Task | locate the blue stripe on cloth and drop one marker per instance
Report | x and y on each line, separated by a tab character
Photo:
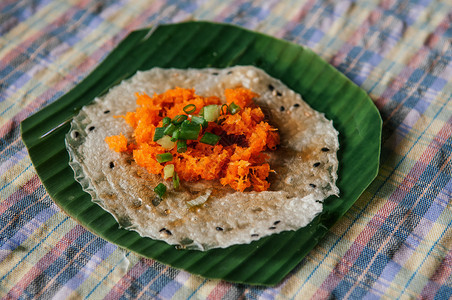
106	276
34	248
428	221
433	82
9	145
170	289
24	63
28	229
254	293
389	273
38	284
256	14
153	271
197	289
132	291
10	73
187	6
449	291
59	34
9	107
17	12
67	265
389	29
103	252
434	212
9	164
405	218
444	292
21	212
167	276
11	182
314	35
373	30
295	32
342	288
361	212
9	7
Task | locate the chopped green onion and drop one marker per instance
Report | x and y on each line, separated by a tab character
199	120
181	146
211	112
179	119
224	109
170	129
166	142
234	108
175	135
159	133
190	131
168	171
166	121
164	157
160	189
210	138
190	108
185	123
201	112
176	181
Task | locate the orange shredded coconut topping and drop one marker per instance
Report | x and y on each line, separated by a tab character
117	142
238	160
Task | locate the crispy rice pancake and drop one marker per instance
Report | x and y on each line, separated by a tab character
305	165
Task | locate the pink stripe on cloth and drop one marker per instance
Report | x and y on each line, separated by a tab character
219	291
14	53
341	269
297	19
398	195
5	3
14	158
46	261
126	281
349	258
400	82
63	84
221	16
82	68
30	186
10	248
355	38
414	62
86	271
367	233
439	278
138	21
81	4
402	256
437	142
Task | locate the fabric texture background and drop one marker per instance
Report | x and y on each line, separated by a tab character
395	242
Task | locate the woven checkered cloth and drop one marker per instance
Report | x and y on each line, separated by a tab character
396	240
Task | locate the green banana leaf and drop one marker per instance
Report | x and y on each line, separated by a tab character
199	45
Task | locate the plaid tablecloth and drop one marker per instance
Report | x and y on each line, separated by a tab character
395	242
